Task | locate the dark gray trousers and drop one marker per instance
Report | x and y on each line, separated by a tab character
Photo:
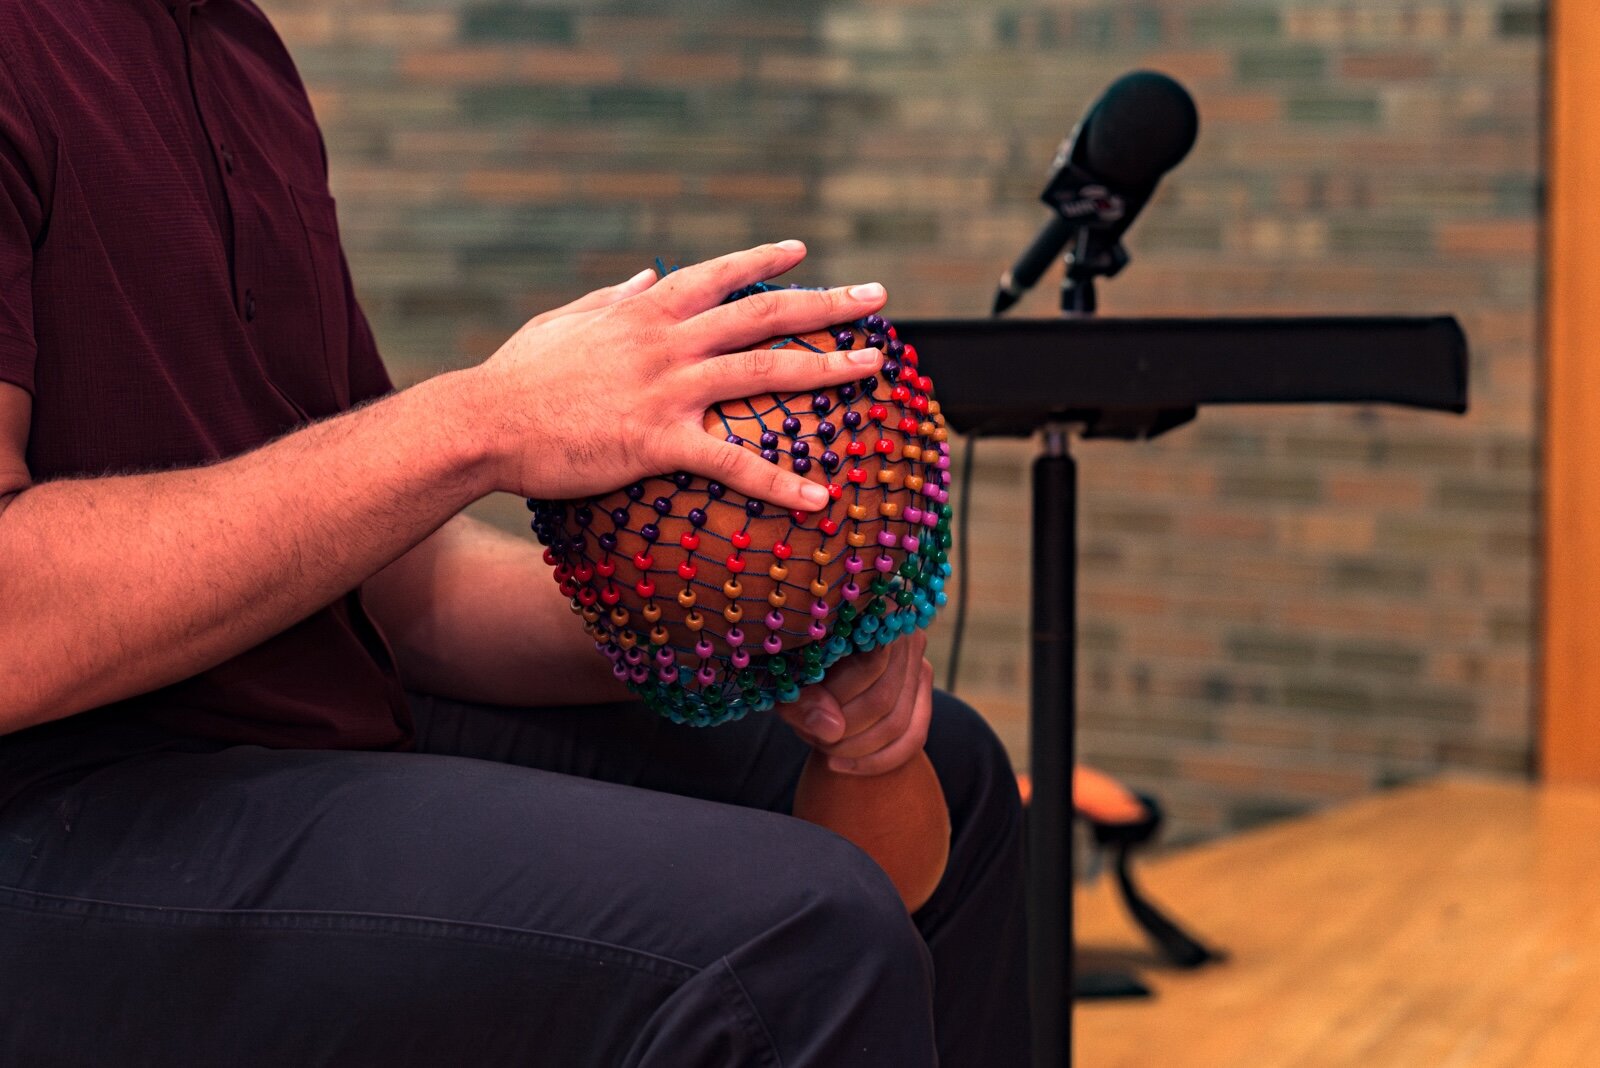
564	887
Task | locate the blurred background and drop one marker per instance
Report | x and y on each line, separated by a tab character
1280	608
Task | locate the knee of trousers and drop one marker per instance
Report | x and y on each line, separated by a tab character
979	782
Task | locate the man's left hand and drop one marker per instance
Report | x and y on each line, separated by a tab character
870	715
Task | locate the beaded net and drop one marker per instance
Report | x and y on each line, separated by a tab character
710	604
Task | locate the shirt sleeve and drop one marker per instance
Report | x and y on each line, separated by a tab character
21	225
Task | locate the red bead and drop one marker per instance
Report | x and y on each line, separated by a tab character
583	572
736	563
835	491
563	572
550	557
642	561
645	588
605	568
877	413
925	383
908	425
894	335
856	474
798	517
885	446
740	539
829	526
909	356
856	448
569	588
782	550
686	571
586	596
900	393
690	541
920	404
610	595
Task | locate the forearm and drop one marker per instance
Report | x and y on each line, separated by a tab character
473	614
115	586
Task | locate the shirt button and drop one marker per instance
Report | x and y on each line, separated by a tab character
249	306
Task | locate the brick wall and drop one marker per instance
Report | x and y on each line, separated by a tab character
1281	608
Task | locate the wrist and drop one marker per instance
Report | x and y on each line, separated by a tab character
468	443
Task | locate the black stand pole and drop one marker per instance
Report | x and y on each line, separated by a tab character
1051	756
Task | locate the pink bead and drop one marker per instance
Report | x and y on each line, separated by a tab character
913	515
638	673
817	631
772	644
774	620
909	543
930	519
854	565
667	674
884	563
735	637
740	659
664	656
620	670
886	538
850	590
707	675
702	648
819	608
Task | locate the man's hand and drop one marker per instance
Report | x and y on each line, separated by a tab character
870	715
615	386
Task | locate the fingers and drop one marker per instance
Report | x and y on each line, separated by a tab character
690	291
855	674
892	699
815	717
744	374
740	469
783	312
600	298
904	747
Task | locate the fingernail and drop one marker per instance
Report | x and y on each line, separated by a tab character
818	722
814	495
841	764
864	356
792	245
648	272
869	291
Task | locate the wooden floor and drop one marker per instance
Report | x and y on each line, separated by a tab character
1451	924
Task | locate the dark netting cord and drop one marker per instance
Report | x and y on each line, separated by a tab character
702	651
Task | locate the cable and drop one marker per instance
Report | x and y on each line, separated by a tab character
952	668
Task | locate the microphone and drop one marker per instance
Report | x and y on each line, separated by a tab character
1104	173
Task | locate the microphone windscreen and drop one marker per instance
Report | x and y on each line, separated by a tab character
1144	124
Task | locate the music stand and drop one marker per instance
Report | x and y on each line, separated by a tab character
1135	378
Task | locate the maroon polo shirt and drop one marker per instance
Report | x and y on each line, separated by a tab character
173	292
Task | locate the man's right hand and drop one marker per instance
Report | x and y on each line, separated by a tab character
614	387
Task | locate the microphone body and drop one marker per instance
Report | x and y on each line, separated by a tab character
1103	174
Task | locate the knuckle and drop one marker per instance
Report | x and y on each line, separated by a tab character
761	363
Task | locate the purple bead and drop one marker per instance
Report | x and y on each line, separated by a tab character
619	517
877	323
697	517
752	508
830	461
608	541
852	420
772	644
662	505
612	650
896	349
876	340
583	517
715	490
869	385
769	440
681	479
845	339
800	448
770	455
734	439
635	491
620	670
821	404
891	370
649	532
802	465
791	426
826	431
847	393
